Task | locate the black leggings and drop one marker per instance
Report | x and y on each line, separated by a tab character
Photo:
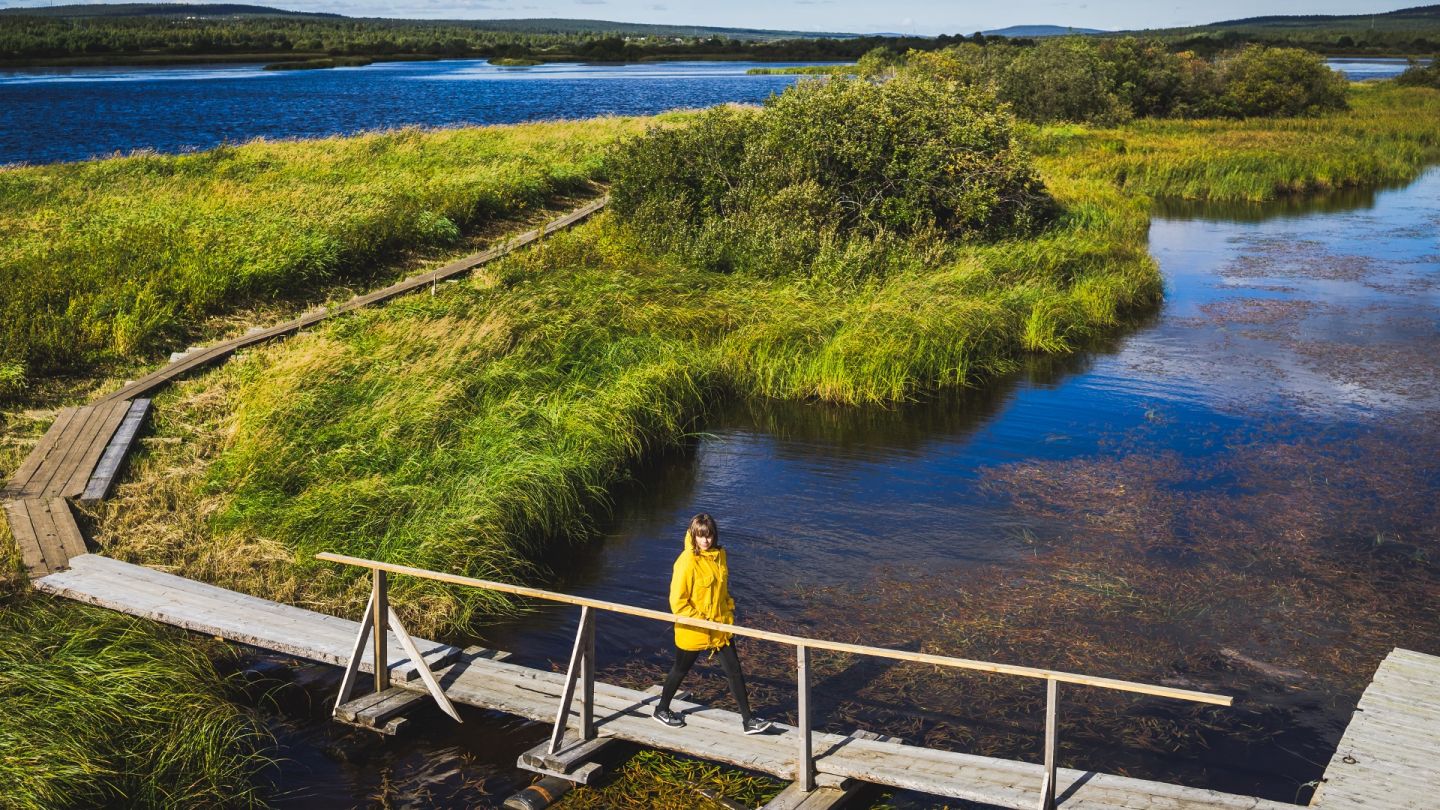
685	659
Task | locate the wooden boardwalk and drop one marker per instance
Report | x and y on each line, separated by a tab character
713	734
81	454
1389	756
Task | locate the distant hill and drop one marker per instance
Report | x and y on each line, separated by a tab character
518	26
160	10
1040	31
1417	20
1429	14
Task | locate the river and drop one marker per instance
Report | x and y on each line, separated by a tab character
65	114
1236	494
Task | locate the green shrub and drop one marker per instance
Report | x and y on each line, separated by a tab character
1418	75
827	164
1061	80
1278	81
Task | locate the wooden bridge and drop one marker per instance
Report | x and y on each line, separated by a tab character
1389	758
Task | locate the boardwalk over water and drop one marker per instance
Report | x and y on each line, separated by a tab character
713	734
1387	758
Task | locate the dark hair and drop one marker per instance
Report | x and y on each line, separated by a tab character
703	524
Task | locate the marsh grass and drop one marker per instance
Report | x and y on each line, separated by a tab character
1384	138
107	710
653	780
110	259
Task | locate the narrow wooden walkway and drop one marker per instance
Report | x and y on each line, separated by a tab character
81	454
710	733
1389	756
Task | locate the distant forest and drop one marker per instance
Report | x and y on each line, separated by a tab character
139	33
169	36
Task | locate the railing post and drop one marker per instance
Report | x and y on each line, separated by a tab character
587	678
1047	790
578	657
381	627
805	763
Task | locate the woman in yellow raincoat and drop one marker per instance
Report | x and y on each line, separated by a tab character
700	588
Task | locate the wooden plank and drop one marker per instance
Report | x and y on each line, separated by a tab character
568	759
793	797
102	480
111	416
70	448
72	542
43	523
43	449
220	351
213	611
18	514
64	443
1389	755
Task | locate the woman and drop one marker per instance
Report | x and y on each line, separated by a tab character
700	588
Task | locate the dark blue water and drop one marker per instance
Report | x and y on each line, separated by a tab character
62	114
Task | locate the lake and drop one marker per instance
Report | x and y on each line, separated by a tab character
63	114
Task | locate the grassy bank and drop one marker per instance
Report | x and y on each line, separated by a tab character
117	259
1386	135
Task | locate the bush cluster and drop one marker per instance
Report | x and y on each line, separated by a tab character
1111	80
1418	75
829	174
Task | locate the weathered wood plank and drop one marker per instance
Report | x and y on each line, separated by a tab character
110	416
69	450
1389	755
102	480
72	542
43	523
21	478
18	514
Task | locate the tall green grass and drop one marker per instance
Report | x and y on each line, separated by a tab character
105	710
115	258
1388	133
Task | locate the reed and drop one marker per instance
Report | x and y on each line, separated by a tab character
106	710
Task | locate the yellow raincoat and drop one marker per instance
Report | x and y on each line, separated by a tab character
700	587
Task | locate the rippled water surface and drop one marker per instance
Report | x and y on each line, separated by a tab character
53	114
1236	494
59	114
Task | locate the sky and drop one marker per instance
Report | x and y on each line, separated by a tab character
926	17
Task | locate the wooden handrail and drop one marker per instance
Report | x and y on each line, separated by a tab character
785	638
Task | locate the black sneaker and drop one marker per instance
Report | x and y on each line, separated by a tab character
669	718
757	726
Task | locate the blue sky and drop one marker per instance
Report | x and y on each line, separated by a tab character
861	16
